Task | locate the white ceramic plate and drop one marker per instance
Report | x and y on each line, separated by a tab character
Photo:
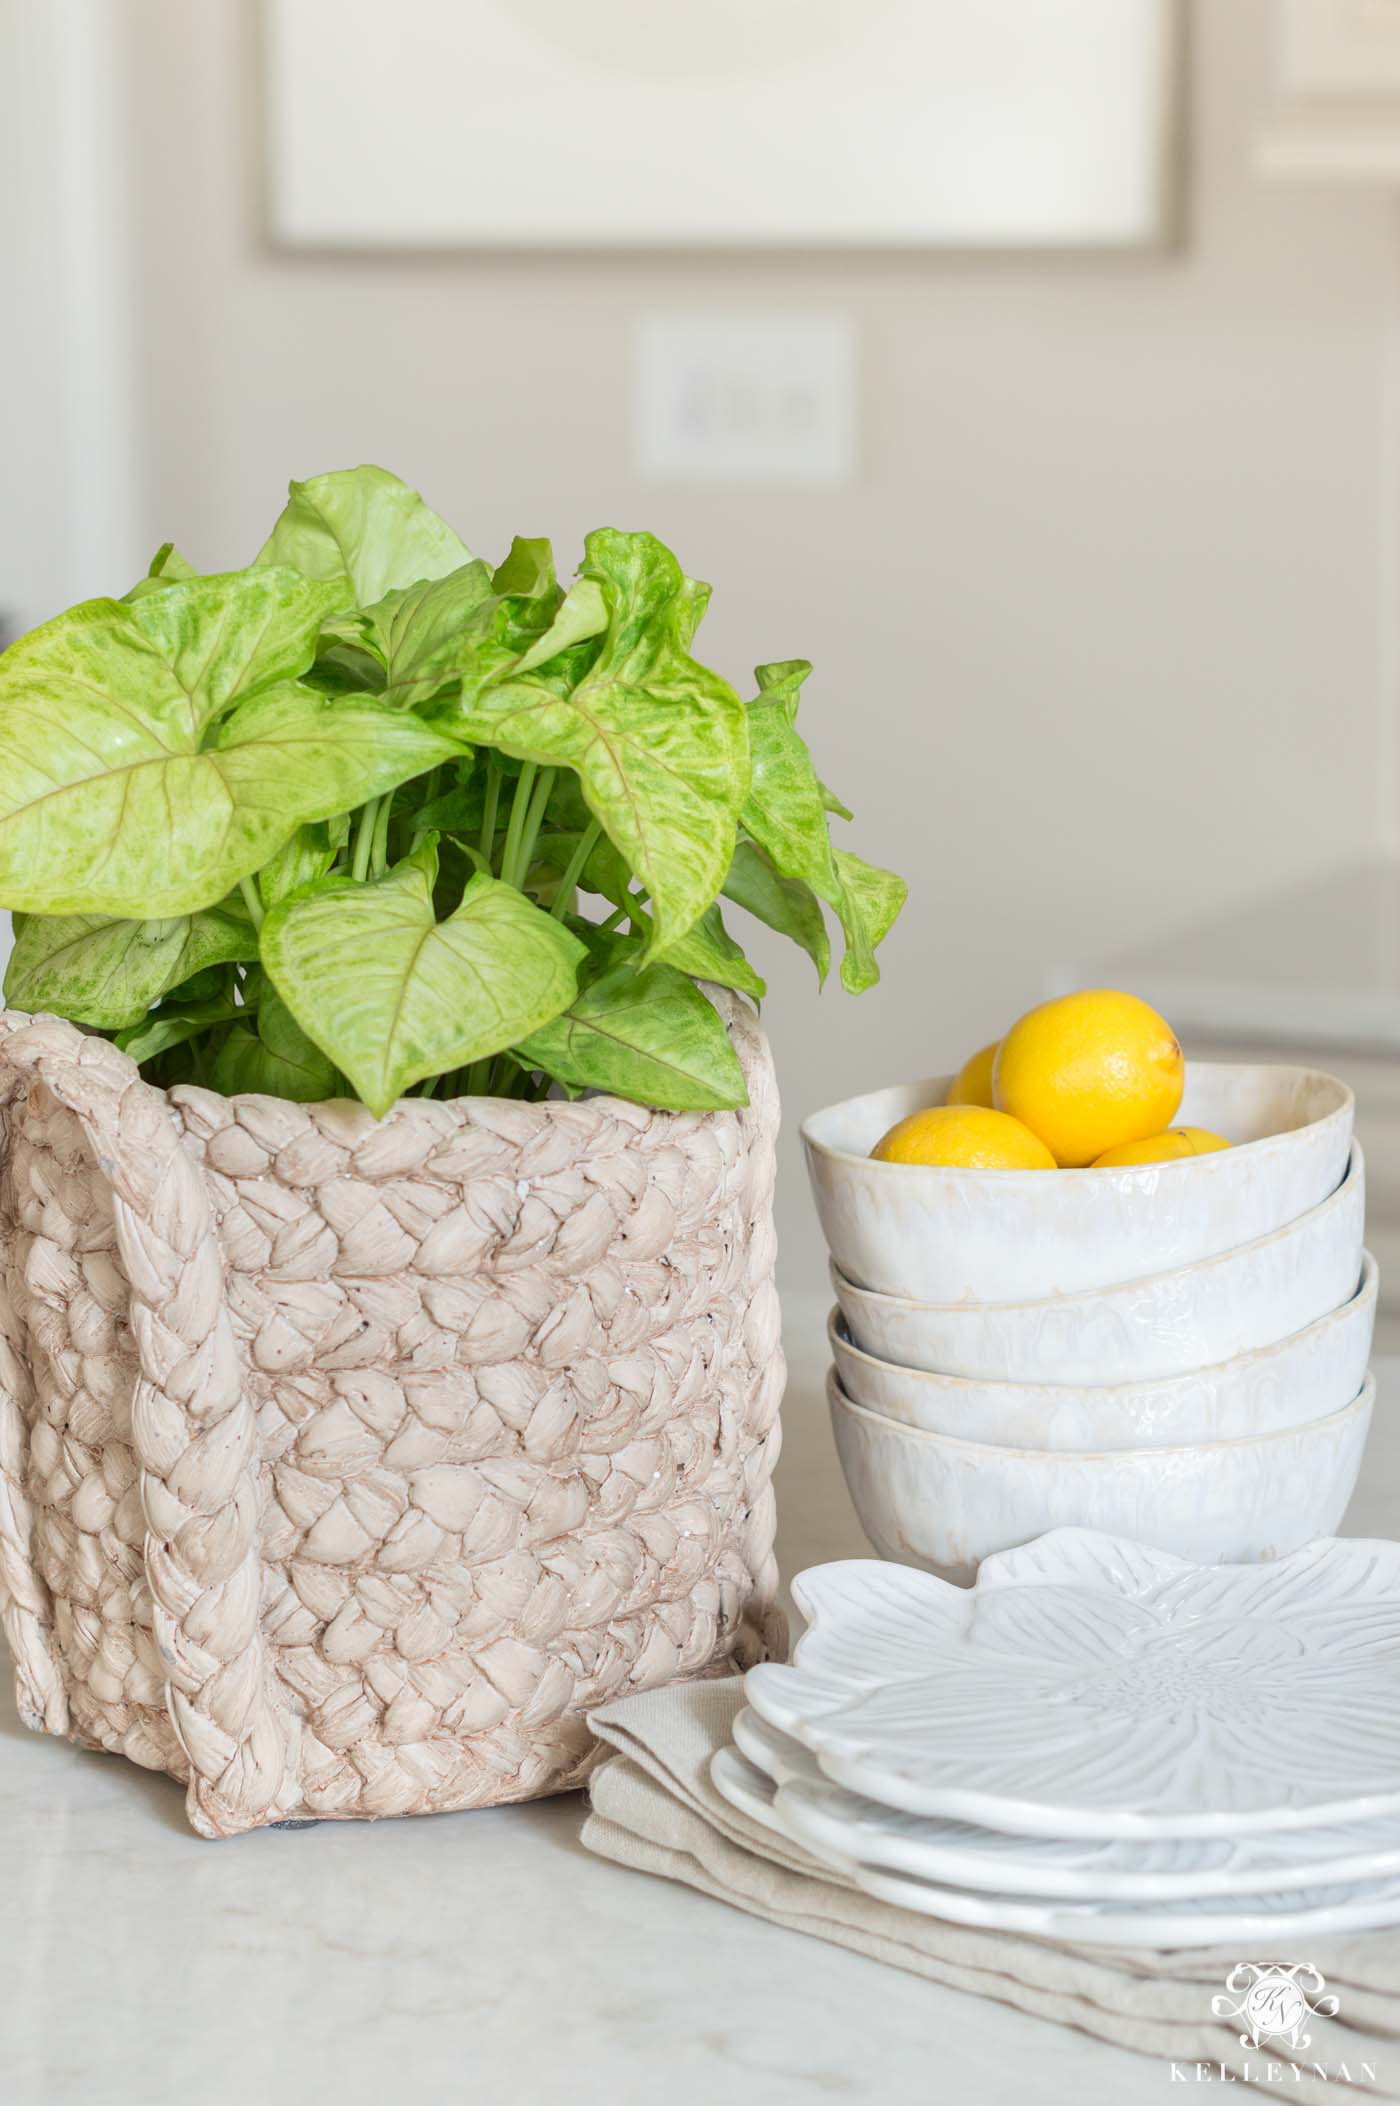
751	1790
1314	1910
1021	1235
1308	1376
1090	1686
1140	1330
1259	1919
829	1820
926	1499
777	1754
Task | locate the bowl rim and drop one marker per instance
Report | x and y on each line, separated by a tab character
1134	1172
837	1397
1353	1174
1367	1290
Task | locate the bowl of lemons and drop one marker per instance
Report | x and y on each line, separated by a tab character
1103	1156
1083	1277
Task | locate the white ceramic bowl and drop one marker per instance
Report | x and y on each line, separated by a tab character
945	1505
1022	1235
1305	1377
1140	1330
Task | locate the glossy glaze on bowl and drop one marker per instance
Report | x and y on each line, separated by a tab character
1305	1377
1140	1330
1023	1235
945	1504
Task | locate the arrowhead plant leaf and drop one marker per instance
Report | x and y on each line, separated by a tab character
708	952
118	793
788	905
167	567
309	854
582	615
223	639
785	811
870	900
363	531
639	1031
372	814
109	973
392	995
786	815
658	742
416	632
274	1057
174	1024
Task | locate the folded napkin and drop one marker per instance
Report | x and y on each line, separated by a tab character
655	1809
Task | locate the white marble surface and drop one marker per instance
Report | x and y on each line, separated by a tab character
479	1956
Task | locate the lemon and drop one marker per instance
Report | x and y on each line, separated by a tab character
1173	1147
1089	1072
964	1137
973	1082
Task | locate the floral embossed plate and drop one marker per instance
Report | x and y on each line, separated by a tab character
796	1800
1311	1912
1087	1686
1243	1918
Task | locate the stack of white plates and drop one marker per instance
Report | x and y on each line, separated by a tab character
1172	1351
1098	1741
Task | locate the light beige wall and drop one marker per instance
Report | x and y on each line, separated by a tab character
1101	631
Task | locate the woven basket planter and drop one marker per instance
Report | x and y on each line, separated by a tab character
346	1464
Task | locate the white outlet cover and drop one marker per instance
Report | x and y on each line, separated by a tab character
746	398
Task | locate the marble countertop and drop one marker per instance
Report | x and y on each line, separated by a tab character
480	1956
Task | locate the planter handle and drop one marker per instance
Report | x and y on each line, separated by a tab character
194	1432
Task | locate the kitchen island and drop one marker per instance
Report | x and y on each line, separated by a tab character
482	1956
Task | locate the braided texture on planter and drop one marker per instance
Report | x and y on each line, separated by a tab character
345	1464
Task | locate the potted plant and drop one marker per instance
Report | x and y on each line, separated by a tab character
389	1356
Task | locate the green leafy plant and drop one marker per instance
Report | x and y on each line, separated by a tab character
371	816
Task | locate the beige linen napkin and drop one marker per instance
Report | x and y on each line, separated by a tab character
654	1808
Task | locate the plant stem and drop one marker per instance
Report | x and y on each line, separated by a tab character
573	870
614	920
487	843
520	805
249	888
503	1073
534	820
379	851
476	1078
364	841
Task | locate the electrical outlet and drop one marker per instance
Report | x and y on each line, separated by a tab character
745	398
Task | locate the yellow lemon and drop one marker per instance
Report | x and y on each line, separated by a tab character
1172	1147
973	1082
1089	1072
964	1137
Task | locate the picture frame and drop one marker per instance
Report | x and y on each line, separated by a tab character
797	124
1334	115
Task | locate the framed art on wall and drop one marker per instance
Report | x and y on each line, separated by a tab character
534	124
1335	112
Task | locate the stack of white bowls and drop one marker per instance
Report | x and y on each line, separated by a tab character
1174	1352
